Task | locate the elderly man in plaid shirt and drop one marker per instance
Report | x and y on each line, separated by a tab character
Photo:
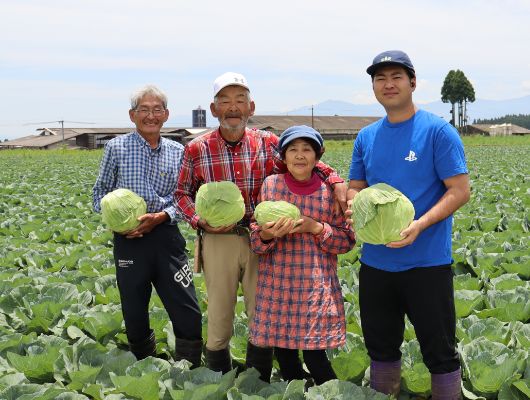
154	253
246	157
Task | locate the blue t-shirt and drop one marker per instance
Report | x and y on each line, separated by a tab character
414	156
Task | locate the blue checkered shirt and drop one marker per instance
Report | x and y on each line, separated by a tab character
130	163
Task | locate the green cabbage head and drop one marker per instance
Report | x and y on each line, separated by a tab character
120	210
380	212
269	211
220	203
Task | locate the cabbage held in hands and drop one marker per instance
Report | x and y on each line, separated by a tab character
272	211
380	212
120	210
220	203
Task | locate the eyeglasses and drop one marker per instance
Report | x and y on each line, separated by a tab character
157	112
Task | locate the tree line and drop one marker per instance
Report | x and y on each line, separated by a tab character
516	119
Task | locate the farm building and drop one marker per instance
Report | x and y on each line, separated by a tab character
334	127
331	127
86	138
497	130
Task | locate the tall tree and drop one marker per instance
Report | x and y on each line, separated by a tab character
449	93
458	90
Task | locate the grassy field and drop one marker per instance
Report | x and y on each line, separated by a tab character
60	316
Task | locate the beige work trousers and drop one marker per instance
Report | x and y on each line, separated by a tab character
227	261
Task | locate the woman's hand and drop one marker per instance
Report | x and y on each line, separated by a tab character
278	229
309	225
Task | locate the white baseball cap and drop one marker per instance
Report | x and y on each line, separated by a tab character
228	79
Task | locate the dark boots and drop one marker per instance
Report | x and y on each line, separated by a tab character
144	348
446	386
190	350
319	366
219	360
261	359
290	364
385	376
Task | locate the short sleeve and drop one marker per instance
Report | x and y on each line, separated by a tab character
357	168
449	156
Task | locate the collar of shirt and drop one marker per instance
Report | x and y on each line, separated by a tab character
145	144
217	134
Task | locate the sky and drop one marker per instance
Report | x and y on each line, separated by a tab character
79	61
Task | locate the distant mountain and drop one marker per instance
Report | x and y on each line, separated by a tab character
479	109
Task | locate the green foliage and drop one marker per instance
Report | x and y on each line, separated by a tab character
337	390
351	363
516	119
60	316
488	365
473	327
467	301
415	376
457	90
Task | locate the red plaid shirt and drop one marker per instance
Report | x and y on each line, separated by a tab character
209	158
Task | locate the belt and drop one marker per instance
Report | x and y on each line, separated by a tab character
236	230
239	230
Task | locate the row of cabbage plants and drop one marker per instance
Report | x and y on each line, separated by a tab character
60	318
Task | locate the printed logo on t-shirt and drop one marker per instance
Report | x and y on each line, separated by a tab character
411	156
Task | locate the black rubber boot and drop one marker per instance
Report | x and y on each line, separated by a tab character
290	365
261	359
190	350
320	368
144	348
219	360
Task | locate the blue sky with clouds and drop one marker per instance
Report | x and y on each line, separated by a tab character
80	60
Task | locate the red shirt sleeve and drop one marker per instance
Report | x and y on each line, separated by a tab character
187	186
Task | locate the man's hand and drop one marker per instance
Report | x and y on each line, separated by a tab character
408	234
354	187
309	225
147	224
278	229
210	229
339	193
456	196
348	213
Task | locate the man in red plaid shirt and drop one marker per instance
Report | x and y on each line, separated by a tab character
246	157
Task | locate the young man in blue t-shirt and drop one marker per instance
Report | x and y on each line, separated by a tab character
422	156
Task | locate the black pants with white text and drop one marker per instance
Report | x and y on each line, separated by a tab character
158	259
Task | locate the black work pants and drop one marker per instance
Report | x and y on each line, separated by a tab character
426	296
159	259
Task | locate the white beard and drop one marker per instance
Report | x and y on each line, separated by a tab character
234	129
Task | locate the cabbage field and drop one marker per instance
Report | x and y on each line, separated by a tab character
61	330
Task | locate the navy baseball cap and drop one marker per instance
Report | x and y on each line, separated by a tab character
391	57
300	131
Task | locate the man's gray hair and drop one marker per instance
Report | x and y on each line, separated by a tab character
147	90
